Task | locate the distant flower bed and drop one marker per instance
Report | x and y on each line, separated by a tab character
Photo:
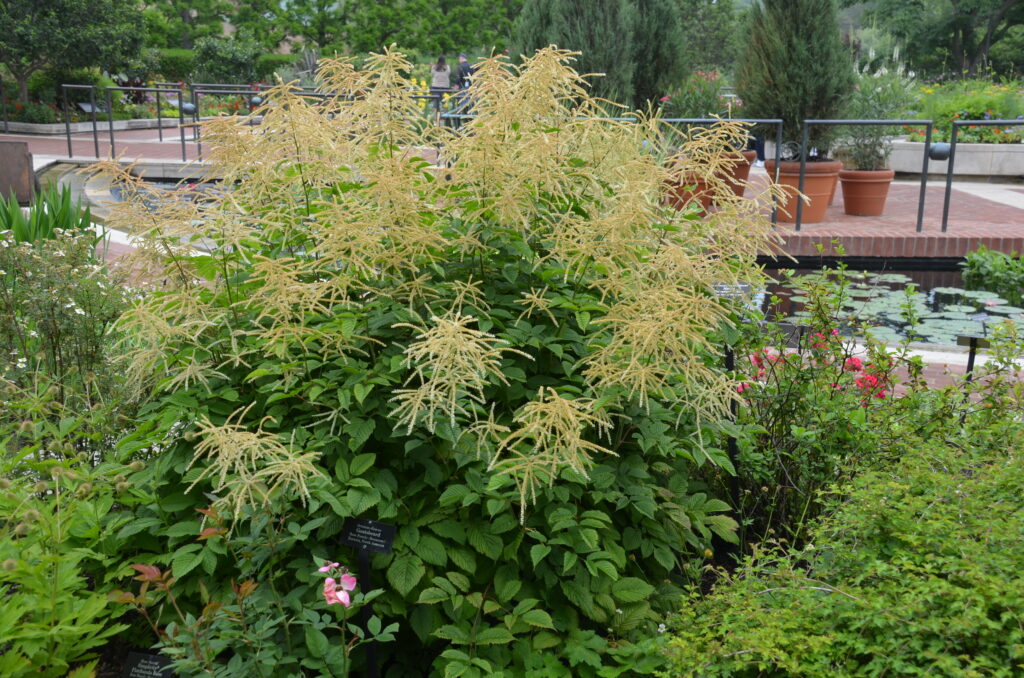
970	100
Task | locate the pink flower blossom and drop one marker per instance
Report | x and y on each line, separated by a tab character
328	567
742	387
853	365
332	594
991	302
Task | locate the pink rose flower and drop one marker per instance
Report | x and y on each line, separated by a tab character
333	595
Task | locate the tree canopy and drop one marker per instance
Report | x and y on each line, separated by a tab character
40	34
940	36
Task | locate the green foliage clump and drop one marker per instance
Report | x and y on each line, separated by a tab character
794	66
231	60
50	214
508	354
176	64
998	272
268	64
700	96
916	572
972	100
33	112
879	94
62	498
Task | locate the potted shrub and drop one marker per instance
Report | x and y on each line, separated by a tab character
794	66
878	94
700	96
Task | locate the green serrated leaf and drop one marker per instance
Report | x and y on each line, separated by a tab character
405	572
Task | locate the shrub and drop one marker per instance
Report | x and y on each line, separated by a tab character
915	571
698	97
269	64
45	86
998	272
62	497
229	60
509	358
879	94
32	112
794	66
177	64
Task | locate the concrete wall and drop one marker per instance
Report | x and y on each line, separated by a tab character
981	160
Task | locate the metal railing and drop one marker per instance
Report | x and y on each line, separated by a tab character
805	141
957	124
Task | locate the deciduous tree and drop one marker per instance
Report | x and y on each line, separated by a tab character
38	34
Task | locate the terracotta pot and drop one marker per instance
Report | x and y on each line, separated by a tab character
819	182
864	191
739	170
690	187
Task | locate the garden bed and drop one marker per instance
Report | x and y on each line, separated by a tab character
972	160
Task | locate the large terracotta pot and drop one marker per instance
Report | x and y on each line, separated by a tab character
739	170
819	181
864	191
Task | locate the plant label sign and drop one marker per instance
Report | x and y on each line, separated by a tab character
368	535
138	665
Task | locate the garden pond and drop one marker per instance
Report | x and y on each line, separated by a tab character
897	305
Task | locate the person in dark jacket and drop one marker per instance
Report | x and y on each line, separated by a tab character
465	72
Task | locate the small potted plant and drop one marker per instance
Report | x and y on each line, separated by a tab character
795	66
865	149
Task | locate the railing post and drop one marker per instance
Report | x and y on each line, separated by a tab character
805	140
67	120
95	129
775	179
949	175
110	123
924	177
181	125
3	102
159	117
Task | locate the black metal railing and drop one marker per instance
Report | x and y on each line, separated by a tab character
805	141
3	103
957	124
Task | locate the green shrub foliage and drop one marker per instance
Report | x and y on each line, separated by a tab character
986	269
507	354
177	64
62	500
915	571
794	66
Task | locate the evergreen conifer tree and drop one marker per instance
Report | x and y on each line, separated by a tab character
795	66
635	44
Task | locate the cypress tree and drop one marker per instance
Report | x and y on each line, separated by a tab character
636	44
795	66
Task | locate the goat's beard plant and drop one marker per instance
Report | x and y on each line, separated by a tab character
509	354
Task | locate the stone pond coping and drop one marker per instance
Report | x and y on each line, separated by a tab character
102	126
980	160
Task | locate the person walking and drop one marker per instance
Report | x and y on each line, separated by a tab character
441	81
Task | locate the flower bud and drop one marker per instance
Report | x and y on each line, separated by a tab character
9	564
84	489
31	515
122	486
136	466
21	529
40	487
26	426
4	483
